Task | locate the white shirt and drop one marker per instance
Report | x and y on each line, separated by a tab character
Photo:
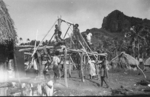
89	36
92	67
56	60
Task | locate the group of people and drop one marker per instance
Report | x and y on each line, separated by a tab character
102	70
76	36
57	66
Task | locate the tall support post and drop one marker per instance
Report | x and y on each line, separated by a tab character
81	69
65	67
59	23
15	64
97	68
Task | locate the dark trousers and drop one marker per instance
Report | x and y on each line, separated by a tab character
103	80
56	72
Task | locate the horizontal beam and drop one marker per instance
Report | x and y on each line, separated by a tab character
90	53
27	53
24	46
60	50
40	48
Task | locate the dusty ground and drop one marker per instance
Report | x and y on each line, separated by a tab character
117	78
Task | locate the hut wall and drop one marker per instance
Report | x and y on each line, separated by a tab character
19	62
3	53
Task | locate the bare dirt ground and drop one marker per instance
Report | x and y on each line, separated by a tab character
118	80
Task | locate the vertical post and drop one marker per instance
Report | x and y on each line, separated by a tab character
97	67
16	71
65	67
59	23
82	74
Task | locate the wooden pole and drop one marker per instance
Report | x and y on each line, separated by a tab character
97	68
65	67
73	62
15	64
66	32
59	23
82	74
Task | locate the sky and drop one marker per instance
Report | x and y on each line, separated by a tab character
38	16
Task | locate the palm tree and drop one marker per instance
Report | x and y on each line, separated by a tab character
20	41
137	39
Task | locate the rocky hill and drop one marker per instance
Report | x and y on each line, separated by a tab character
117	21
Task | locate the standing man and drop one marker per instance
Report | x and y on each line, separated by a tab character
56	61
76	35
104	73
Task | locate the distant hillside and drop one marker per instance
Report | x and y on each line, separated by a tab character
116	21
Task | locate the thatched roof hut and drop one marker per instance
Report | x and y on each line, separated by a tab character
7	33
147	62
7	40
131	60
125	60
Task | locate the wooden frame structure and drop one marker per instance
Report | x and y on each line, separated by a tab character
65	51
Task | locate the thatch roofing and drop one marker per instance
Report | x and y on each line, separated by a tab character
131	60
125	59
7	30
147	62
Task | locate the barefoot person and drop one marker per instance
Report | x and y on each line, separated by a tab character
103	72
